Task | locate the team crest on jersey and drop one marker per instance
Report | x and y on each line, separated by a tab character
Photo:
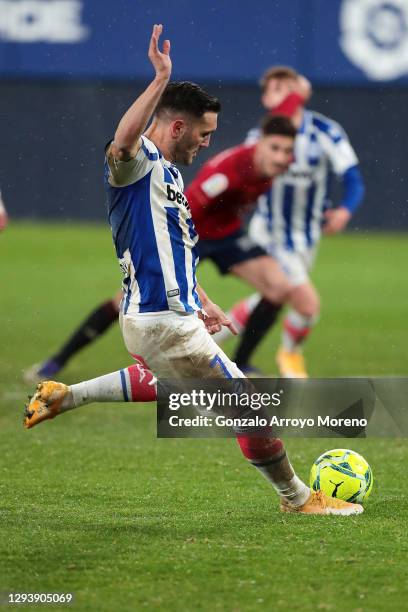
374	36
216	184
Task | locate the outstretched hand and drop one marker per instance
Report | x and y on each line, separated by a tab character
214	318
160	59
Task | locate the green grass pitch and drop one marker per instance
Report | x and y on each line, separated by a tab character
92	503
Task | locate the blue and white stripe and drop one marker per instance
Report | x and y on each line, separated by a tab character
290	215
153	233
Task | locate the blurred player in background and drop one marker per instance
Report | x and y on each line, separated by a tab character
225	189
3	214
166	318
288	219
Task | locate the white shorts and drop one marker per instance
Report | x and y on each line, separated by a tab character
295	264
174	345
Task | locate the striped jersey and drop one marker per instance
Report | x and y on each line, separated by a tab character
153	233
292	210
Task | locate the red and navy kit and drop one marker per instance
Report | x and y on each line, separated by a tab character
225	189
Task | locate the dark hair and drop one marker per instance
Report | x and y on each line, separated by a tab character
278	124
277	72
186	97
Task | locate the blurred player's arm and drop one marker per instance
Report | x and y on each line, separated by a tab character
3	214
336	219
345	164
127	139
214	318
303	88
287	95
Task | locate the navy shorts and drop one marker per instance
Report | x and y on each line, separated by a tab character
229	251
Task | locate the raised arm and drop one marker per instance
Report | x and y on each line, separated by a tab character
127	139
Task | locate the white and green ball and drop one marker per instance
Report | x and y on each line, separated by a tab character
343	474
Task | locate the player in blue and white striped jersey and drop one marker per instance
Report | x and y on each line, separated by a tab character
155	241
289	219
165	316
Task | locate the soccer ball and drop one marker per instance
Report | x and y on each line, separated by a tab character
343	474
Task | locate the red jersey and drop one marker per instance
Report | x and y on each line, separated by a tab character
226	187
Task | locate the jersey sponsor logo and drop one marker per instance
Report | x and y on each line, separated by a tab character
374	36
173	292
216	184
293	172
177	196
32	21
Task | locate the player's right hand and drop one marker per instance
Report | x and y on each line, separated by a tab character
214	318
335	220
303	87
160	59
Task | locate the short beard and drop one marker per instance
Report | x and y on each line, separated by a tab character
180	155
182	158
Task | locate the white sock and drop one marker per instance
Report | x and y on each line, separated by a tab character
107	388
132	384
294	490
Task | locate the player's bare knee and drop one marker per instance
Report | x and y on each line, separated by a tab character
277	293
306	301
309	309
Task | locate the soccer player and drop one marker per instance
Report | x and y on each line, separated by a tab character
289	218
225	189
3	214
165	316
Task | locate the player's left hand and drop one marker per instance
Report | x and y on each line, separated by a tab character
336	220
214	318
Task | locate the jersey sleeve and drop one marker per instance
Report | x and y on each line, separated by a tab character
337	146
123	173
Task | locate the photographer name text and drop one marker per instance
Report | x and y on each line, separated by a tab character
256	421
